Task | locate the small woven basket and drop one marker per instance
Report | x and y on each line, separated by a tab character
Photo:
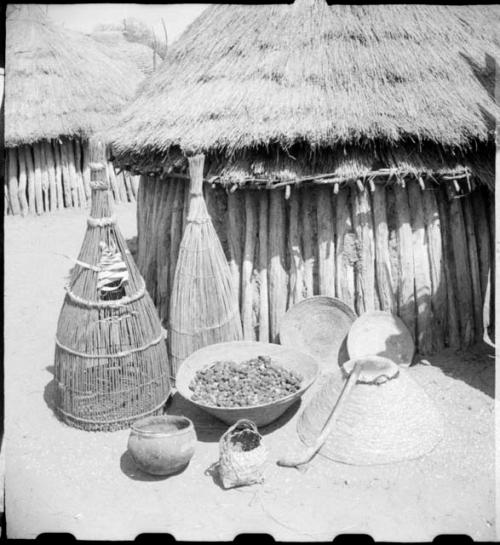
243	456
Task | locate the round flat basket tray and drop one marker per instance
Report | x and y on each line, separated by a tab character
239	351
318	326
380	333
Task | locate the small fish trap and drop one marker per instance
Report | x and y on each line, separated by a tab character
111	364
203	305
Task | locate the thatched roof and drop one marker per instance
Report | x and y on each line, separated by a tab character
252	77
59	82
118	46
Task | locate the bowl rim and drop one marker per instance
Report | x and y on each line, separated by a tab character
163	417
274	403
288	322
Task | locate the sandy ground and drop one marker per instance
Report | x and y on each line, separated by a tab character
59	479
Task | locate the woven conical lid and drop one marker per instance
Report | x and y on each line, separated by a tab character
379	424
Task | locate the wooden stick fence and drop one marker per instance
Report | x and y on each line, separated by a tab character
420	252
48	176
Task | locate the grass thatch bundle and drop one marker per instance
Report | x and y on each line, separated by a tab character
144	57
111	362
59	82
244	76
203	305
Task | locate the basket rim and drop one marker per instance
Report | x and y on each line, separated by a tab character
372	317
292	317
277	402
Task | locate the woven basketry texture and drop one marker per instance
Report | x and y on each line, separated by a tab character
380	423
318	326
380	333
203	306
243	455
111	364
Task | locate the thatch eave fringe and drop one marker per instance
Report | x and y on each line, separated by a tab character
272	168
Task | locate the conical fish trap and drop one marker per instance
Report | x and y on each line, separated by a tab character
380	423
111	364
203	305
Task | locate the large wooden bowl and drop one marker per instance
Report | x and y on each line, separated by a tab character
239	351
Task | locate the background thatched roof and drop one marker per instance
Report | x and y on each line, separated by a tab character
252	76
59	82
118	46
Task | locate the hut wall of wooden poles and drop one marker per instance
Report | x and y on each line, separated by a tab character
414	250
50	175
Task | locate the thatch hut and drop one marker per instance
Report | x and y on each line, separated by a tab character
60	88
349	152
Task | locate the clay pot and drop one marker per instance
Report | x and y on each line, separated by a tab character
162	445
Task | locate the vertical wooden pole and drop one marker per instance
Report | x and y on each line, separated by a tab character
51	174
326	241
421	269
57	174
263	250
63	157
296	292
492	207
163	250
45	178
438	278
453	336
176	225
85	157
474	266
406	291
235	239
30	172
73	182
80	183
308	244
462	267
112	180
7	211
277	263
135	184
151	265
141	223
345	248
37	155
365	266
128	186
23	201
382	257
247	267
13	182
118	182
483	240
